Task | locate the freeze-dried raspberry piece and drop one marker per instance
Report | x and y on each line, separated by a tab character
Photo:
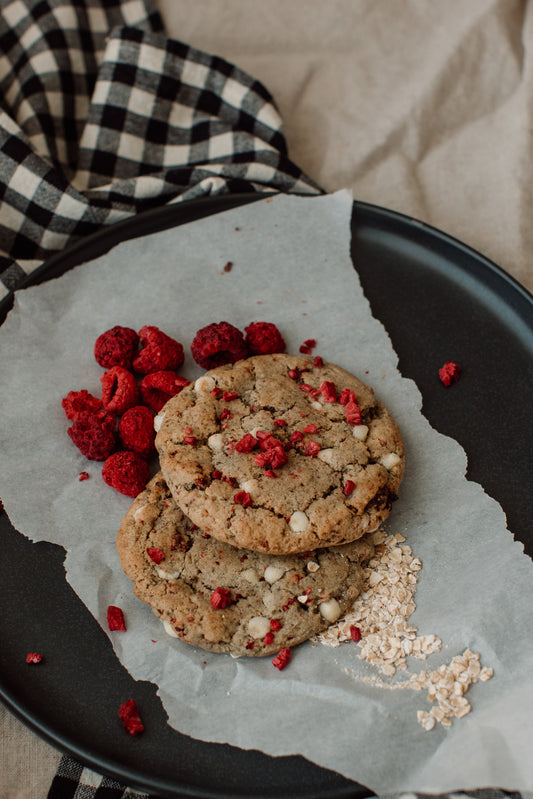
77	402
129	715
34	657
126	472
282	658
94	434
220	598
116	347
119	390
115	619
217	344
450	373
263	338
155	554
136	430
159	352
158	387
355	633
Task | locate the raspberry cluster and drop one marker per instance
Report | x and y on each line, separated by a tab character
118	427
141	376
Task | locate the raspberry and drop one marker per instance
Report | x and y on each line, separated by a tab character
129	715
220	598
217	344
116	347
282	658
115	619
155	554
77	402
119	390
263	338
355	633
158	387
136	430
126	472
450	373
159	353
34	657
94	434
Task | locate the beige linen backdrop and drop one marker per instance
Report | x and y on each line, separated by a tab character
422	106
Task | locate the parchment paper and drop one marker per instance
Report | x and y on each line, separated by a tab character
292	266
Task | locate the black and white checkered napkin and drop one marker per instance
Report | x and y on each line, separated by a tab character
102	116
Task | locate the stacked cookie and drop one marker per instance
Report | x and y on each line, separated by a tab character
252	536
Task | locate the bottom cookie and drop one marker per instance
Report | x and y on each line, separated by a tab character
230	600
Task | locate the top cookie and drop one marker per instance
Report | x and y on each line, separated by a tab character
280	454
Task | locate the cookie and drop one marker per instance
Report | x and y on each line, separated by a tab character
280	454
223	599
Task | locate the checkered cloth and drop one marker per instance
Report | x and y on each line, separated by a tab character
102	116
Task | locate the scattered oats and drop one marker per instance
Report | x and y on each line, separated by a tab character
381	612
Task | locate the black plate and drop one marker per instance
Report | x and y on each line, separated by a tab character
439	300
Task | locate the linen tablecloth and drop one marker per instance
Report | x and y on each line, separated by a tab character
414	105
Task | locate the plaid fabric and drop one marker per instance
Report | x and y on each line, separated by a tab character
102	116
73	781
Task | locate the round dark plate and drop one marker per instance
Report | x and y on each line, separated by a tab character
439	300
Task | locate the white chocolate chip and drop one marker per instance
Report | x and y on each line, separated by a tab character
390	460
215	442
273	573
250	575
303	599
258	627
138	513
249	486
313	566
316	405
298	521
167	575
158	421
360	431
326	455
169	629
330	610
205	383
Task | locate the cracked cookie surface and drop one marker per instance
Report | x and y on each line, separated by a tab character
224	599
281	454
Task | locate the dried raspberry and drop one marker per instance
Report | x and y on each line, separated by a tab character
269	637
115	619
349	486
158	387
307	346
116	347
136	431
220	598
353	413
246	444
318	362
94	434
126	472
263	338
160	353
355	633
83	476
228	396
450	373
275	625
34	657
129	715
217	344
310	428
347	395
312	449
155	554
329	392
282	658
77	402
119	390
296	436
243	498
